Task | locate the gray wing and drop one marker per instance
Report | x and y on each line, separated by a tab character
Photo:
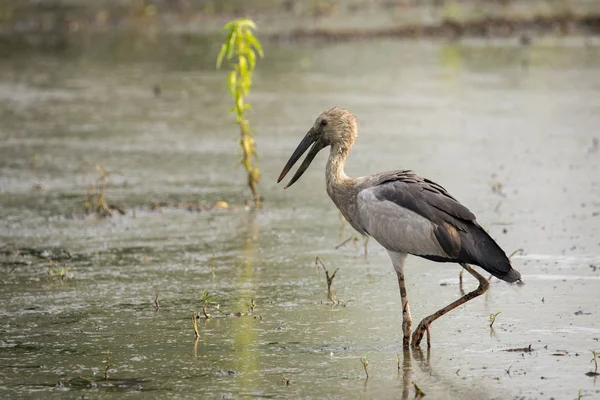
403	212
424	197
406	213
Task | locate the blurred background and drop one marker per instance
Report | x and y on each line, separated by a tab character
125	210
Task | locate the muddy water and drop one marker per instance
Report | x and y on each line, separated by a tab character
474	116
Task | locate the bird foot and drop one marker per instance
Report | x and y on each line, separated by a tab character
422	328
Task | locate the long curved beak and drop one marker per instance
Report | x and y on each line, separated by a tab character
308	140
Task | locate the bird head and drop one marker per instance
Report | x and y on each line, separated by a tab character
335	127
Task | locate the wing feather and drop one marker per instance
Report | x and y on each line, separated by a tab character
407	213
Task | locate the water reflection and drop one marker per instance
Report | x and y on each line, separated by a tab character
424	363
247	358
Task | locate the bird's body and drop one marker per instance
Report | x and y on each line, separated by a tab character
405	213
409	214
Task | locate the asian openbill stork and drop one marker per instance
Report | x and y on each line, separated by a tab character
405	213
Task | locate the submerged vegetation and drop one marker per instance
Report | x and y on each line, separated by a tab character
95	202
493	318
241	48
58	271
365	363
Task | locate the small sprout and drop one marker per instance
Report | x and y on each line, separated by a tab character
508	370
96	199
398	362
108	365
206	301
418	392
581	395
251	306
57	270
514	252
156	305
493	318
195	323
286	380
330	292
594	360
344	303
365	364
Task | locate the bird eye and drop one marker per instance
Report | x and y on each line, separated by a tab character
323	123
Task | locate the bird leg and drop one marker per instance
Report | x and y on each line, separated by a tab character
424	324
406	317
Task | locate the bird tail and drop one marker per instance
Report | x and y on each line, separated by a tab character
478	248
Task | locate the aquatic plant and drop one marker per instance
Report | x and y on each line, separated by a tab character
95	202
241	49
206	300
156	304
594	360
108	365
418	392
493	318
195	323
58	271
330	292
365	364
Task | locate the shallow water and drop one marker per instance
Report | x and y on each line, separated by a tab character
471	116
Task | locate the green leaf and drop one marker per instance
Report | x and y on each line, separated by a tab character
230	25
245	22
230	43
256	44
221	55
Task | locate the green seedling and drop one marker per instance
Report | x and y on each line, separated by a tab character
241	48
251	307
206	301
343	303
330	292
108	365
286	380
156	305
493	318
365	364
594	360
514	252
195	323
96	199
58	271
418	392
